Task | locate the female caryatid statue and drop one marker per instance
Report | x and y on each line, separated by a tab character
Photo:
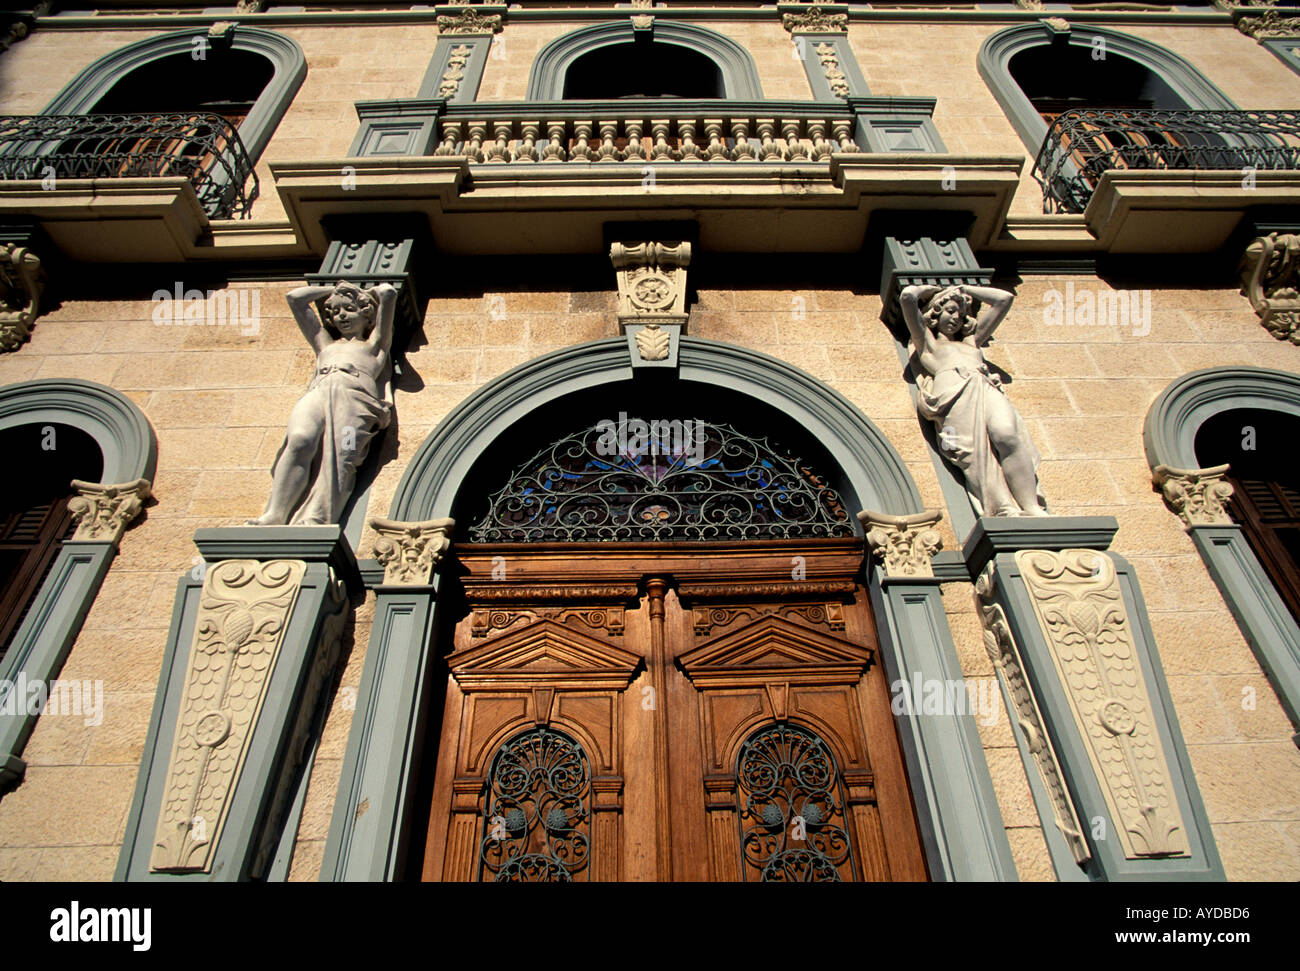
979	430
348	402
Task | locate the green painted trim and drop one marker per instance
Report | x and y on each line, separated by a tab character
739	75
961	824
43	642
996	52
807	44
1108	862
1169	436
467	90
993	535
113	420
80	94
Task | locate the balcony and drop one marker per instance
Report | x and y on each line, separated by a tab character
203	149
1083	144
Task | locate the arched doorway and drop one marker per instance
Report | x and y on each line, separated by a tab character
661	660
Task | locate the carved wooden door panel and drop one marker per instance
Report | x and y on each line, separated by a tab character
671	712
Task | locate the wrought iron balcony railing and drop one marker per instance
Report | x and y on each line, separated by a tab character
1083	143
203	148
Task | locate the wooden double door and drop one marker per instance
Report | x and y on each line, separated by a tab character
668	712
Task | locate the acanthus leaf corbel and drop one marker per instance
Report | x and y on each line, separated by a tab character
410	552
1270	279
102	512
1197	496
22	282
904	545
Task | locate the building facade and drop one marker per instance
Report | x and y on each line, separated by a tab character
650	441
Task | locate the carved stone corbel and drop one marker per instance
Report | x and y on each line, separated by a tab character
1269	24
21	284
1195	495
1270	280
652	297
814	18
469	19
904	544
1005	655
410	552
102	512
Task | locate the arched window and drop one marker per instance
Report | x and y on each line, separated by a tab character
679	479
615	61
34	516
147	109
791	801
1266	491
537	810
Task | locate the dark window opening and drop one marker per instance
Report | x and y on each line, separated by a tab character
34	517
1256	445
643	69
225	83
1058	77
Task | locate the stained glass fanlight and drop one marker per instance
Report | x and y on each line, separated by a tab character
662	480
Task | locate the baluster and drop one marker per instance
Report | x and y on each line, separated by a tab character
474	148
450	139
608	150
743	152
635	150
686	131
582	142
821	149
794	148
500	150
843	131
555	150
662	152
769	150
717	150
526	149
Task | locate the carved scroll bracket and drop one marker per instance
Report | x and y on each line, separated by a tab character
1270	280
814	18
102	512
1196	495
903	544
410	552
22	281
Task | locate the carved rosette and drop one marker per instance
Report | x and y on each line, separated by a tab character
242	615
1196	495
1080	609
1270	280
1005	655
410	552
651	281
471	19
813	19
904	544
102	512
22	281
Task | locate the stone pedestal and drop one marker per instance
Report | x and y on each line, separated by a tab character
254	641
1066	624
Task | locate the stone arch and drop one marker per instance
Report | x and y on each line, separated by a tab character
1169	436
739	76
289	63
994	63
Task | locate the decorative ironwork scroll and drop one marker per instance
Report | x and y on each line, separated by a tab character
662	480
536	817
791	823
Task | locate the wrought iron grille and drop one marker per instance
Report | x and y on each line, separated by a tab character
662	480
792	808
203	148
1083	143
536	815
